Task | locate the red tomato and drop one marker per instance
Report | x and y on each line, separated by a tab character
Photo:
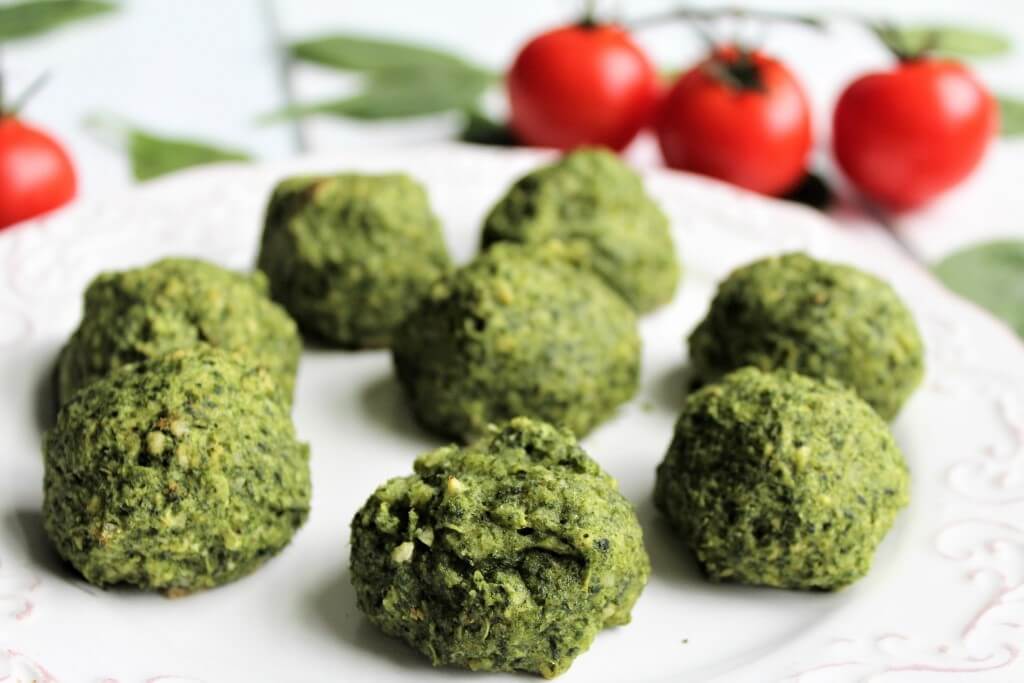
36	174
906	135
581	85
739	116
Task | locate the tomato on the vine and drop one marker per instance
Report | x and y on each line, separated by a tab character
906	135
586	84
36	174
740	116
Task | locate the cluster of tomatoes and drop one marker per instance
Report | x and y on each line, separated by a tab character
901	136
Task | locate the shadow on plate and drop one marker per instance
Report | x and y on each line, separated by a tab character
27	524
384	403
314	341
669	391
334	605
671	560
45	398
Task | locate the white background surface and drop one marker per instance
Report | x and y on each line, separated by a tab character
208	69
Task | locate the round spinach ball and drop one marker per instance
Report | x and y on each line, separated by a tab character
596	205
781	480
350	255
177	303
175	474
518	331
820	319
510	554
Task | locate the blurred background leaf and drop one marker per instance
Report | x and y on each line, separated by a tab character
400	93
154	155
358	53
949	41
27	19
991	275
400	80
1011	116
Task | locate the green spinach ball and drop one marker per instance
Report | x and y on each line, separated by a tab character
350	255
175	474
510	554
820	319
596	205
518	331
777	479
178	303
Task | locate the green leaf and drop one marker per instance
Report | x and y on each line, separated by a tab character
967	43
992	276
26	19
154	156
401	80
1011	116
357	53
944	40
401	93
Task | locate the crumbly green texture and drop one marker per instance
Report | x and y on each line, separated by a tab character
172	304
820	319
595	204
350	255
777	479
518	331
506	555
175	474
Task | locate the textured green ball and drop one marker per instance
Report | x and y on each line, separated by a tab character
172	304
820	319
350	255
596	205
518	331
507	555
175	474
777	479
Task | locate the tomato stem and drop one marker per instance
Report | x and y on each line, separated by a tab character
704	33
589	19
898	44
741	73
893	40
932	42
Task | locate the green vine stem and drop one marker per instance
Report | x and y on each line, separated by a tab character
22	99
26	95
694	14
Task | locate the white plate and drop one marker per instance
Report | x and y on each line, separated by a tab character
945	594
